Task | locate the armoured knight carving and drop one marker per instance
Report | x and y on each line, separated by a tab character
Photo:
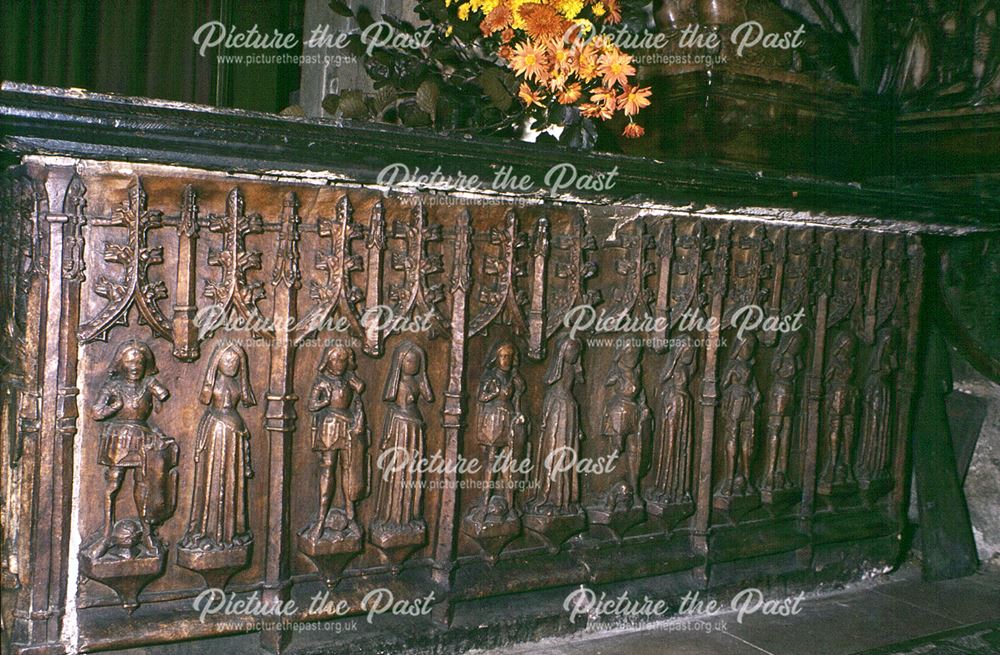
339	439
126	399
840	414
740	398
218	534
625	428
127	553
500	431
398	527
780	408
669	481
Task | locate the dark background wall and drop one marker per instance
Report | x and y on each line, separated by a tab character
145	48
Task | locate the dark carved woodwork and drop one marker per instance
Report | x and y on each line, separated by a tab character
774	449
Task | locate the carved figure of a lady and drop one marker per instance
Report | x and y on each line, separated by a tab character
398	501
671	465
556	486
219	515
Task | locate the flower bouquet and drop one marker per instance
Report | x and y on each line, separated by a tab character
494	66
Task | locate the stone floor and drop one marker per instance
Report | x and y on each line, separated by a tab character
892	609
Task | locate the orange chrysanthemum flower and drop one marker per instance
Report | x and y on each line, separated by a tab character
561	57
633	99
633	131
543	21
614	12
570	94
615	68
586	65
605	97
530	61
498	19
530	96
590	110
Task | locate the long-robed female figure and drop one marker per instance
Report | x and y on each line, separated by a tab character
219	518
557	487
671	468
398	506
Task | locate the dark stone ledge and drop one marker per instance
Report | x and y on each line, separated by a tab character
75	123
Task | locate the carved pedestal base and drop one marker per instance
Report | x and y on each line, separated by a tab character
215	566
398	541
779	498
555	529
836	489
127	577
670	513
332	550
491	533
872	490
736	505
617	519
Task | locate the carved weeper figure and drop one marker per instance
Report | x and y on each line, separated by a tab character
126	554
876	414
669	482
501	426
780	410
740	398
399	528
625	426
554	511
840	413
340	440
501	429
218	536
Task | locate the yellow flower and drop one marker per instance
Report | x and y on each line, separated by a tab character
463	11
598	9
451	28
569	8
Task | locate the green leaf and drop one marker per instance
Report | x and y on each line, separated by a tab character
352	105
382	98
490	80
330	103
340	8
364	18
414	117
427	97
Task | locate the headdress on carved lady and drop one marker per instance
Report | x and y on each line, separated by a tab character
114	369
555	372
246	390
396	372
675	356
